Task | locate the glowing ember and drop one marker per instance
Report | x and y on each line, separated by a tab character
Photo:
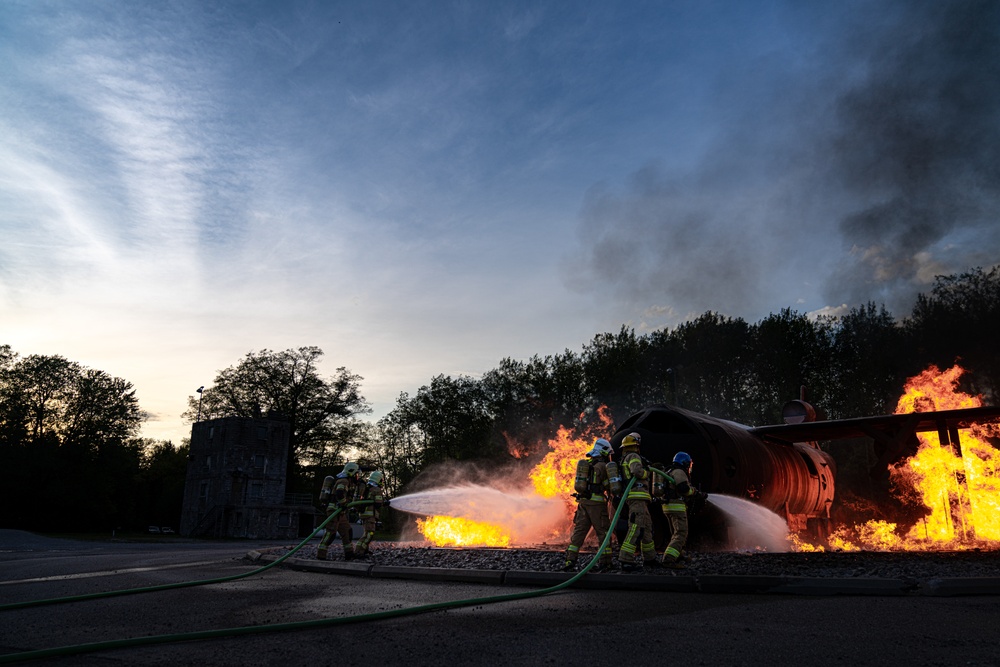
453	531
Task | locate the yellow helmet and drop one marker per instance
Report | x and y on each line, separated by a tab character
631	440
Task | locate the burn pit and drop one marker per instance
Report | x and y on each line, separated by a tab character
732	462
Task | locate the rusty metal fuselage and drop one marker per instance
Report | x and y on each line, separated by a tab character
794	480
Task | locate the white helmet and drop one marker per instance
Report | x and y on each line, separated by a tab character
375	477
601	448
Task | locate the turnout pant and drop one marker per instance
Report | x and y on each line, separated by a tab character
639	535
678	534
361	546
589	514
340	525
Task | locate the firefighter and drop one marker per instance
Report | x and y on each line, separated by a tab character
592	488
339	491
678	493
372	490
640	524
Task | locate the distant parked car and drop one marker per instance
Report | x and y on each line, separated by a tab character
167	530
154	529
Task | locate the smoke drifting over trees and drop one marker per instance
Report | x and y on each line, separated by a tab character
870	167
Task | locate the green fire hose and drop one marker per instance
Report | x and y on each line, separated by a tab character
283	627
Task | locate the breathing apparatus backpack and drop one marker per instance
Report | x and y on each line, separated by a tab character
582	482
615	479
664	485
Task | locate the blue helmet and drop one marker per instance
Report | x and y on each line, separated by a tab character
682	460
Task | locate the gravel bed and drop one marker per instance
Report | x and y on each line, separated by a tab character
911	566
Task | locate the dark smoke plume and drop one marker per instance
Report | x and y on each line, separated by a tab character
918	146
867	175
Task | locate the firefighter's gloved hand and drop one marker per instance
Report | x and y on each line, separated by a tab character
386	502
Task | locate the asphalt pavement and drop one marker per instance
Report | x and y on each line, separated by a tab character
577	626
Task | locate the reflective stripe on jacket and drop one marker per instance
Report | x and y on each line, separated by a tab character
632	467
680	490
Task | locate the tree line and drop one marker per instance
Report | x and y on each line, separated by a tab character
68	434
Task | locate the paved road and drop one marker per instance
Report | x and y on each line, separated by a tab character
576	627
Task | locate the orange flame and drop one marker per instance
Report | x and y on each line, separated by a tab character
552	476
555	473
453	531
958	484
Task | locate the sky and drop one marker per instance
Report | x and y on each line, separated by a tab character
423	188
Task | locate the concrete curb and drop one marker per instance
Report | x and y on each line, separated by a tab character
960	586
840	586
705	583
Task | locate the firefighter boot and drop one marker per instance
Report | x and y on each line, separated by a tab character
569	565
321	552
672	562
348	552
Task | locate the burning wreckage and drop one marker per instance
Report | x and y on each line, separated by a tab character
770	488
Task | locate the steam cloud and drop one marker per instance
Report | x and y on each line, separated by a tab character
869	177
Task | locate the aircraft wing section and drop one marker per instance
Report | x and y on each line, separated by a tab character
887	427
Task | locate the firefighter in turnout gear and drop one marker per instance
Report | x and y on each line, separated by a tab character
640	524
678	492
372	490
592	504
338	492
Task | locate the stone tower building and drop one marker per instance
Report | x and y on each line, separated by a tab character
235	484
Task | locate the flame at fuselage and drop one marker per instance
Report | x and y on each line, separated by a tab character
958	484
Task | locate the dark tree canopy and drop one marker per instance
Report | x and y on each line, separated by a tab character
960	319
287	385
67	443
69	432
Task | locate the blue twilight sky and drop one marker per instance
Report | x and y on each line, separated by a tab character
428	187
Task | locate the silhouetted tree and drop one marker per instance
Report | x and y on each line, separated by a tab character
790	351
287	385
452	414
162	473
713	372
868	363
959	321
67	444
615	371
